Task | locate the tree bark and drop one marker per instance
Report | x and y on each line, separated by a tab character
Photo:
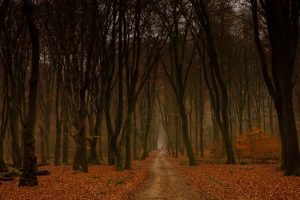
3	167
184	129
93	156
16	151
282	18
65	148
128	125
29	176
58	114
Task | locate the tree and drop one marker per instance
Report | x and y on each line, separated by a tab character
109	59
29	175
169	117
145	46
80	159
178	74
45	102
14	46
216	87
3	9
53	73
281	18
131	73
146	107
74	45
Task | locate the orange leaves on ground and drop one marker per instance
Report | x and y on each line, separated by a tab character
102	182
257	145
220	181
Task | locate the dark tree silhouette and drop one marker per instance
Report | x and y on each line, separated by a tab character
217	89
281	18
29	175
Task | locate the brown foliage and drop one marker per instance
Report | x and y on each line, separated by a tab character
257	145
102	182
220	181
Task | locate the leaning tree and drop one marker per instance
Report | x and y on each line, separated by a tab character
280	18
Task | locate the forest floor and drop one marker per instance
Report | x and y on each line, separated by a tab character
160	177
102	182
238	182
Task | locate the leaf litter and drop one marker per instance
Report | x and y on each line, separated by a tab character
102	182
239	182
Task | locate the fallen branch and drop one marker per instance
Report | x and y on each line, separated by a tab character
43	173
6	178
18	173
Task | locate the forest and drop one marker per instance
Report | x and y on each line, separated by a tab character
149	99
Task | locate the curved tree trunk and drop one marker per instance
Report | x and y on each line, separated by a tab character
282	19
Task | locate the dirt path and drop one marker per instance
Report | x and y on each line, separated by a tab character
164	182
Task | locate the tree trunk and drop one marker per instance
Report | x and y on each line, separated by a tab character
128	125
43	147
109	130
185	134
286	120
3	167
282	23
47	130
197	132
177	138
80	157
145	149
59	113
94	133
16	152
127	164
100	152
201	127
98	132
93	157
117	153
226	133
29	175
110	151
81	151
201	116
135	147
65	149
271	124
57	153
217	89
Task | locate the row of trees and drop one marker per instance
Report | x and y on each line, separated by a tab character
115	64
